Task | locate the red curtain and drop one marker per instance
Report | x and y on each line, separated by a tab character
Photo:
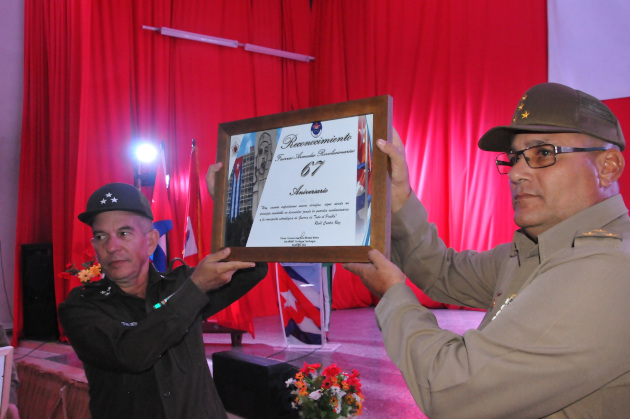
96	82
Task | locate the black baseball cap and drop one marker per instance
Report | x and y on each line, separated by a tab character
116	197
554	107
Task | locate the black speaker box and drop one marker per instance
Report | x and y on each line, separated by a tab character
38	292
253	387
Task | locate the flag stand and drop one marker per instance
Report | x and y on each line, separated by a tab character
304	304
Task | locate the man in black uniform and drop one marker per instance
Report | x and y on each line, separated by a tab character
139	332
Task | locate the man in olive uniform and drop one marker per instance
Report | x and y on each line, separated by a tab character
555	339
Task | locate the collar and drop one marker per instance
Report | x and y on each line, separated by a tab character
154	275
106	287
561	235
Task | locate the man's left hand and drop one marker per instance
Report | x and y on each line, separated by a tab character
379	275
211	175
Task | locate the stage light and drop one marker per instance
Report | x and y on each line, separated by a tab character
146	152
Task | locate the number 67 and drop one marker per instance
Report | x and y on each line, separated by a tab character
307	168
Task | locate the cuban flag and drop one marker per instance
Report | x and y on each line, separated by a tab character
236	187
364	184
162	216
364	162
192	244
301	302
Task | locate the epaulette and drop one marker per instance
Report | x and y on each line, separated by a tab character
95	289
597	237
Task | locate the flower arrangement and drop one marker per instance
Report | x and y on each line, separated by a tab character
330	393
86	271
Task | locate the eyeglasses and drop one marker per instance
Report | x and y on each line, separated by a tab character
537	156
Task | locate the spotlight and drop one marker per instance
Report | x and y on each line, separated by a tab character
146	153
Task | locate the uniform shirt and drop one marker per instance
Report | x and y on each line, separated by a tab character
554	342
145	358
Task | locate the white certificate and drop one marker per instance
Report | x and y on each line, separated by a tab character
306	188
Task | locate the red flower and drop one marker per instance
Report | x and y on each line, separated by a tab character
331	371
308	368
64	275
353	380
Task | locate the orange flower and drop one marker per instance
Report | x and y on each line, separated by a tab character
95	270
84	275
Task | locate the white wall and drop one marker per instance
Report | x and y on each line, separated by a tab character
11	90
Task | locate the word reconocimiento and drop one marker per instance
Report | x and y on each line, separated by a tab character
291	141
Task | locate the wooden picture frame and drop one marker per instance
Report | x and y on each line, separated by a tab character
243	148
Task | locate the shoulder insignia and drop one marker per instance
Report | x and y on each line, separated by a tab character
96	289
597	237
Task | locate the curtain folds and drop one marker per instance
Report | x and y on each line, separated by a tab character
96	83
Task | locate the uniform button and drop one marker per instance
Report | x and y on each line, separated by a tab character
167	394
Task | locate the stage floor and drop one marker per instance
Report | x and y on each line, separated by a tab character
354	341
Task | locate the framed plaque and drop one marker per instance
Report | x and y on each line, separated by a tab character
306	185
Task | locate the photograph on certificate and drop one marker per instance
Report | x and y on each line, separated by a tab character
250	160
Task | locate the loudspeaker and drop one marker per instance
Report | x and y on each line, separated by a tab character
253	387
38	292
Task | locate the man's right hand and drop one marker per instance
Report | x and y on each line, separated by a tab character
211	273
401	188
